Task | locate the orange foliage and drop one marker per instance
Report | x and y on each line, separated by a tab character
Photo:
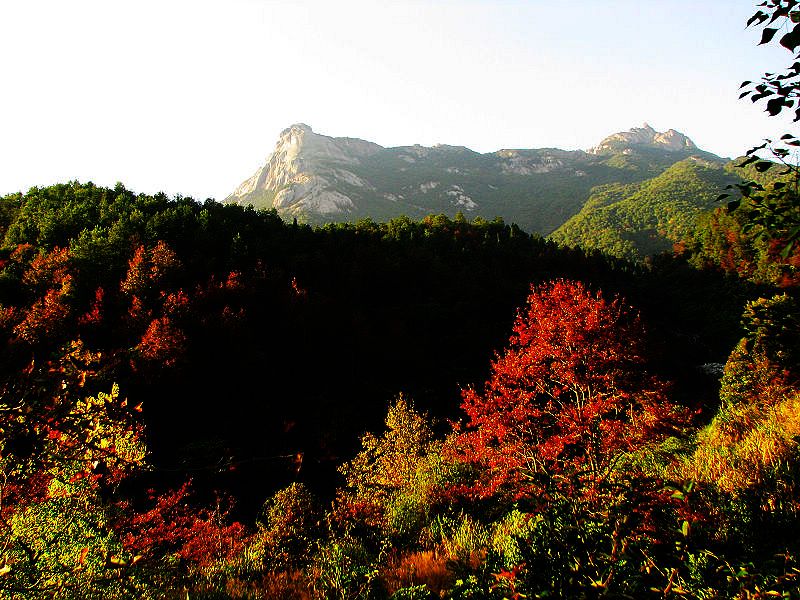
47	269
8	315
45	318
162	342
297	290
163	261
137	311
176	303
136	276
234	281
94	315
22	253
428	567
147	269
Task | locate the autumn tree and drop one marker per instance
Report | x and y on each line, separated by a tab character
560	428
567	398
395	479
149	268
49	280
289	525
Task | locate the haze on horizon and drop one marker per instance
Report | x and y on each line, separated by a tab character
189	97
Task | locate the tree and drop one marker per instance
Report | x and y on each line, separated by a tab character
396	477
566	399
775	208
564	425
66	528
752	441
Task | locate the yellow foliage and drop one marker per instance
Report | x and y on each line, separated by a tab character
754	437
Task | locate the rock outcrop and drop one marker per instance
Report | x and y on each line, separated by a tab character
301	174
644	136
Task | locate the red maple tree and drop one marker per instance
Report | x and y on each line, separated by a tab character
567	398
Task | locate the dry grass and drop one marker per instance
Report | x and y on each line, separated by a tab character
744	446
428	567
282	585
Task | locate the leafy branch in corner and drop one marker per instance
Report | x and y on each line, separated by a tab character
774	210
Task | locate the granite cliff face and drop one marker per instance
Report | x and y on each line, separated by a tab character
302	173
318	179
645	136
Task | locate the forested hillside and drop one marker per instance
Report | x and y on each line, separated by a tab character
637	220
224	359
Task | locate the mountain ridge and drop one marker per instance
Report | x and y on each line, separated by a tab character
318	178
636	220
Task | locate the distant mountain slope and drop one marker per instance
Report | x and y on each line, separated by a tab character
635	220
319	179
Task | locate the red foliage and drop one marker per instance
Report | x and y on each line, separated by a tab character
137	312
94	315
45	318
350	513
297	290
790	275
567	397
176	303
162	342
234	281
147	269
23	492
173	527
48	269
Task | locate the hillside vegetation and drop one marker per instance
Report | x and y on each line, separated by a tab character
168	367
638	220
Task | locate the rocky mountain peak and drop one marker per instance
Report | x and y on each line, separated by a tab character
299	127
670	140
300	173
320	178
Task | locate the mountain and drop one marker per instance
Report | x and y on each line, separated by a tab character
638	219
319	179
670	141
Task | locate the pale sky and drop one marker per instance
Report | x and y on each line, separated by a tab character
188	97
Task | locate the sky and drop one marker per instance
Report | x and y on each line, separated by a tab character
189	97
